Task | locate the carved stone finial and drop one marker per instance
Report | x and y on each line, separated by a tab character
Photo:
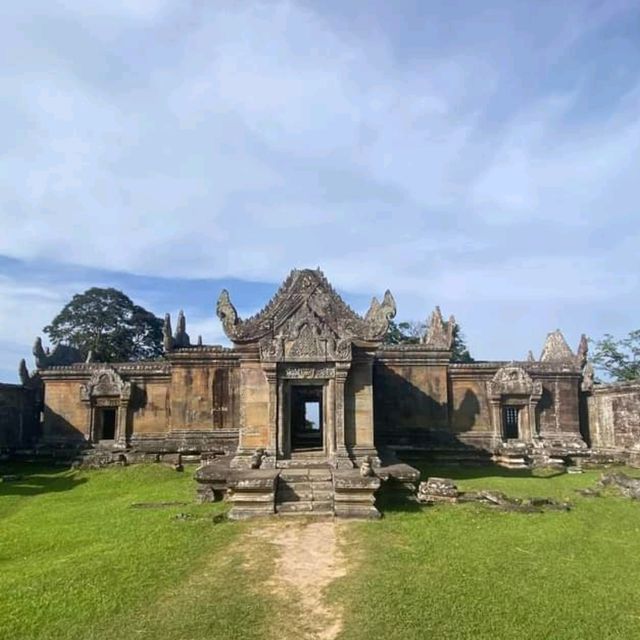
530	356
439	334
583	350
167	338
556	349
380	315
588	375
199	341
23	372
227	313
181	337
39	353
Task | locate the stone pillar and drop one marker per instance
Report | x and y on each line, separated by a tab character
271	373
496	419
341	454
282	446
121	424
330	417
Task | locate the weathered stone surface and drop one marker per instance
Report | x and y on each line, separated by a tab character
435	490
252	493
629	487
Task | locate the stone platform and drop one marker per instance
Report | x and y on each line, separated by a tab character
318	490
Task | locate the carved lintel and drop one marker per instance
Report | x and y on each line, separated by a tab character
106	383
303	373
513	380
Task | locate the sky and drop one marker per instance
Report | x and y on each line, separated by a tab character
480	156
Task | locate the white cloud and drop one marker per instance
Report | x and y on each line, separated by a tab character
242	139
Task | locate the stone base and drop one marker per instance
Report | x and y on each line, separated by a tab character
253	493
354	496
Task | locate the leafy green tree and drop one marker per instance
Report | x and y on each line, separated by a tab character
459	349
619	359
410	332
108	324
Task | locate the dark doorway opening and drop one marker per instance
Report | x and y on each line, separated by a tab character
306	417
108	419
510	422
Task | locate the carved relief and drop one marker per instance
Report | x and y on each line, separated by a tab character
308	372
307	319
105	382
513	380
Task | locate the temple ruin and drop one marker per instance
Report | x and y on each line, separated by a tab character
309	410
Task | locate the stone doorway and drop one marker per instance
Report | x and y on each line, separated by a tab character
107	421
307	419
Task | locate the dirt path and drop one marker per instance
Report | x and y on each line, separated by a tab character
308	560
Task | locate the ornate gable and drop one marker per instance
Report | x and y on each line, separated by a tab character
513	380
307	320
556	349
105	382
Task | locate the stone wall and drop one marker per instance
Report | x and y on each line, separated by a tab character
614	417
19	417
424	402
410	395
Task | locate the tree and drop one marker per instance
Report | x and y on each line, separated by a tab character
410	332
619	359
107	323
459	349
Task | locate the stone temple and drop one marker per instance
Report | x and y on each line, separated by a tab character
309	410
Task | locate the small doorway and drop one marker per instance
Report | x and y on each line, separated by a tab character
307	429
107	418
511	422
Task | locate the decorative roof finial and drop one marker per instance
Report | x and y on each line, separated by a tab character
23	372
439	334
556	349
181	337
167	338
583	350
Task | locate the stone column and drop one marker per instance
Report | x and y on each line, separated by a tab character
496	419
271	373
342	459
282	445
121	424
330	417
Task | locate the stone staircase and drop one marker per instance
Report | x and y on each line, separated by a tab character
305	491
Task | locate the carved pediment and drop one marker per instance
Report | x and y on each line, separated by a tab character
307	320
556	349
105	382
513	380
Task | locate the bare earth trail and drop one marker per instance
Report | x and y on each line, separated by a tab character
308	559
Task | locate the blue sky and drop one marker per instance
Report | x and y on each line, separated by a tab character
483	156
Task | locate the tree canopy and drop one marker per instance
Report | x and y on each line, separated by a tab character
108	324
619	359
410	332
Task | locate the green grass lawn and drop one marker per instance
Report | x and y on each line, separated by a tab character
466	571
77	561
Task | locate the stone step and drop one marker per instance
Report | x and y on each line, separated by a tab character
289	495
307	514
322	495
304	506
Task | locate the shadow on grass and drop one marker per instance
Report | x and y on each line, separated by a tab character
488	470
33	480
